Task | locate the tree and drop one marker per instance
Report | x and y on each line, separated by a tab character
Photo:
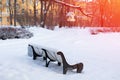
45	4
15	1
35	18
10	11
102	12
102	5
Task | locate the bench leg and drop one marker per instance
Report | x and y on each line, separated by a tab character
47	63
64	70
59	64
79	67
44	58
34	57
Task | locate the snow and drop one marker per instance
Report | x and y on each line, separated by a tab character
100	54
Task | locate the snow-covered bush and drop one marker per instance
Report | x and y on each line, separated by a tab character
12	32
98	30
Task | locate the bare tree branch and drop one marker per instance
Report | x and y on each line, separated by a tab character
73	6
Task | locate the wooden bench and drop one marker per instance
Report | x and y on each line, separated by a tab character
52	55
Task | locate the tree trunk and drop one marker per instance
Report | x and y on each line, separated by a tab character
35	18
101	16
44	10
11	13
41	16
27	22
15	1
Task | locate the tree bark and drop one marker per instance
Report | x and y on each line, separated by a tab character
11	12
15	1
35	18
44	11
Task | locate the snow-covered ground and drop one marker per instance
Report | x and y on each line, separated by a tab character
99	53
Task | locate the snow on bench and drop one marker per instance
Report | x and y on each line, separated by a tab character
35	51
52	55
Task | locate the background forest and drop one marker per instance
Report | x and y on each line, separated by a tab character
50	13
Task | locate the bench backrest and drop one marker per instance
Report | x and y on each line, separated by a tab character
37	49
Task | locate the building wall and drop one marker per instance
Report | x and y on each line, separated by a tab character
23	6
2	12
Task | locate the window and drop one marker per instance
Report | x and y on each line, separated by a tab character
36	2
0	19
7	2
31	2
36	11
17	6
7	19
23	11
0	1
23	1
30	11
7	9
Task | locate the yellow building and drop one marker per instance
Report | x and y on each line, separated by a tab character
24	9
3	13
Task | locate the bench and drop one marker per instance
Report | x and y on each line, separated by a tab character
52	55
